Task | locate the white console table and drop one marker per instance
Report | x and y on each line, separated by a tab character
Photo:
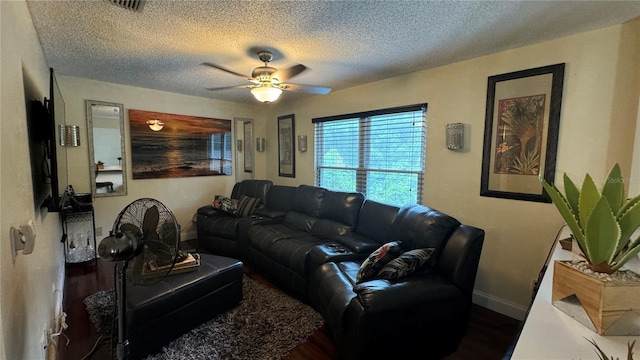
549	333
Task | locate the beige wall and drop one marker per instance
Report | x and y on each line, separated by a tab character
598	118
28	303
182	195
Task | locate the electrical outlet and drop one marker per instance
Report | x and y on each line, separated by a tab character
533	284
99	231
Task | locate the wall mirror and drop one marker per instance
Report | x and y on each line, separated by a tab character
243	129
105	125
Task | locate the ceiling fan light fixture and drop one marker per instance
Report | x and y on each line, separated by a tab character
266	93
155	124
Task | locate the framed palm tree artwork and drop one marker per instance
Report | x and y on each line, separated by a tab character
521	133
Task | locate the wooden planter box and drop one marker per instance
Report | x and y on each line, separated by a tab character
606	307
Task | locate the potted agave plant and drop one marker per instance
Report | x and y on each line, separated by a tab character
603	222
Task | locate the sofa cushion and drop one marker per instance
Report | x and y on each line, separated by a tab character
284	245
405	264
308	200
254	188
377	260
226	204
375	220
299	221
247	205
419	226
329	229
342	206
280	197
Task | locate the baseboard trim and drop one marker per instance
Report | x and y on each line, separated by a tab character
499	305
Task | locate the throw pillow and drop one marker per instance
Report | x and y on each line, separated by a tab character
405	264
377	260
246	205
225	204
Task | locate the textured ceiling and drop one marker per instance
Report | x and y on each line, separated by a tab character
343	43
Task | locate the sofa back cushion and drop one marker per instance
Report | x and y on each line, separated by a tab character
306	207
308	200
419	226
343	207
339	214
375	221
252	188
280	197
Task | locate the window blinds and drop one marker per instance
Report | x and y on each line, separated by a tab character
378	153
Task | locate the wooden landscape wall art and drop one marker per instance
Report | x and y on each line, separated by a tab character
184	146
521	133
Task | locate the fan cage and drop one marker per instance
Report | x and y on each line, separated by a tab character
168	230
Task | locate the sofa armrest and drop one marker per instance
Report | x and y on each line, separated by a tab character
209	210
460	257
378	296
357	243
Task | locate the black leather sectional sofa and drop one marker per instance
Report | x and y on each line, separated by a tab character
312	242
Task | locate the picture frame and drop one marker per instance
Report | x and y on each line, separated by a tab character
182	146
248	153
522	121
286	146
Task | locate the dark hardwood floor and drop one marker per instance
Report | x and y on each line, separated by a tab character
488	337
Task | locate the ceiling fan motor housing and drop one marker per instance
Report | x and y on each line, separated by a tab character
265	56
263	73
268	82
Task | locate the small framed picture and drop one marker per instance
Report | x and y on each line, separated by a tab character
286	146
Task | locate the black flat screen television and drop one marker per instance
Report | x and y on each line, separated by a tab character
45	152
56	108
39	152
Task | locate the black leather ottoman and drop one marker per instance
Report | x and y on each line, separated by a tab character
164	311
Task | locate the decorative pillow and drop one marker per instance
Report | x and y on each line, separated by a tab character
246	205
405	264
377	260
225	204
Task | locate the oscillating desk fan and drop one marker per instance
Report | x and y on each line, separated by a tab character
147	234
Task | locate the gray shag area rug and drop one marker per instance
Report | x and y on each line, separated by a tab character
267	324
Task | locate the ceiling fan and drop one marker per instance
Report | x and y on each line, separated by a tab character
268	82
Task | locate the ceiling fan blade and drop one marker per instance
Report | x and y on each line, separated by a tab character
223	69
230	87
286	74
320	90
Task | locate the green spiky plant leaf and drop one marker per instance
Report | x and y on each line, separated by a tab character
602	221
603	356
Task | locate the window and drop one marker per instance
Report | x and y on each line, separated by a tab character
220	159
378	153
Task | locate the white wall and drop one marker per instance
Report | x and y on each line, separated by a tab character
27	300
183	196
598	119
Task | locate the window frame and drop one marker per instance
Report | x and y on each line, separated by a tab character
362	171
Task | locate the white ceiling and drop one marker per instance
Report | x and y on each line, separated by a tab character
343	43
